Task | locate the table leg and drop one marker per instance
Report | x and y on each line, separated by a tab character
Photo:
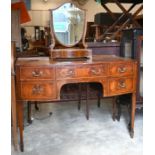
99	99
20	123
133	108
29	112
79	94
119	110
87	104
14	113
114	108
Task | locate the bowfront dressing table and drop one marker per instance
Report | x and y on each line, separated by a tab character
41	78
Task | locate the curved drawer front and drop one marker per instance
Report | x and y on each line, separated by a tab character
84	71
120	85
38	90
30	73
92	71
121	69
65	72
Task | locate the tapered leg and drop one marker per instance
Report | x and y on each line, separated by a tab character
29	112
119	110
114	108
20	123
14	113
87	104
133	108
98	99
36	105
79	93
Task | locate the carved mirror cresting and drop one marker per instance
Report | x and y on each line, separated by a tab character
68	27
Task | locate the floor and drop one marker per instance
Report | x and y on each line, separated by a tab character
67	132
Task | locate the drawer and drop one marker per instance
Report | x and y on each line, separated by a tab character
121	69
65	72
84	71
30	73
120	85
92	71
38	90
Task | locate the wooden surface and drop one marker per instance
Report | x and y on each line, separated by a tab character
13	98
41	79
108	48
123	1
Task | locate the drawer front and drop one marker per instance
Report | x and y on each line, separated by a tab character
38	90
84	71
28	73
121	69
120	85
65	72
92	71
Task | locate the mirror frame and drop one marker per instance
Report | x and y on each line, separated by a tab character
55	43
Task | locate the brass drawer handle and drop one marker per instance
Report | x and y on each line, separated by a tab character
37	73
121	84
122	69
95	71
37	89
70	72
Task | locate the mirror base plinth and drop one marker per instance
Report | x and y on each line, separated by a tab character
71	54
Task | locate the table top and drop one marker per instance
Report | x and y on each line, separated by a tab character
46	61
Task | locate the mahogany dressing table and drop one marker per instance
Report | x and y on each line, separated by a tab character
41	78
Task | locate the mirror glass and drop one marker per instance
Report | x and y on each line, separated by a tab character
68	24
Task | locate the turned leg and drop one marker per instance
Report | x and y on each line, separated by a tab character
79	93
20	123
133	108
114	108
87	104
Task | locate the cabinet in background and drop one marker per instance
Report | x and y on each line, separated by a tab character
132	47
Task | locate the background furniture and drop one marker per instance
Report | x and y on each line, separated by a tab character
15	28
132	47
109	48
122	21
19	15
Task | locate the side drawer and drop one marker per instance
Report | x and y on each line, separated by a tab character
30	73
120	85
38	90
121	69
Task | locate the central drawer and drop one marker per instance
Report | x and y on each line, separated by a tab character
84	71
92	71
41	73
38	90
